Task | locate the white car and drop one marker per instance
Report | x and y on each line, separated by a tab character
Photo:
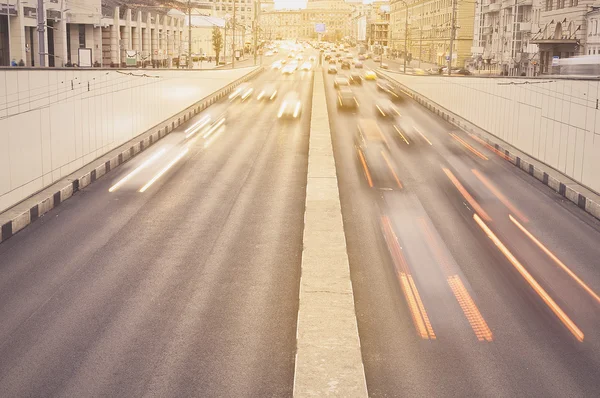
268	92
289	69
277	65
269	54
242	91
291	107
312	58
307	66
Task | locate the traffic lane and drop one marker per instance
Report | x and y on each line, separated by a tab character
574	295
162	262
470	249
74	223
563	265
385	322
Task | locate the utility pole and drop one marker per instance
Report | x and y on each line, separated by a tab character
41	28
190	60
233	38
406	36
421	37
452	34
255	27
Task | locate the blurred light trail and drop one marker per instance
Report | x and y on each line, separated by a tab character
366	168
213	128
163	171
419	131
391	169
196	127
137	170
469	147
488	146
532	282
478	324
499	195
555	259
467	195
401	135
413	299
466	302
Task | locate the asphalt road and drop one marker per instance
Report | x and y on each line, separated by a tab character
189	288
441	310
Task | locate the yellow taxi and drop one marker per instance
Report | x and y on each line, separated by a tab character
370	75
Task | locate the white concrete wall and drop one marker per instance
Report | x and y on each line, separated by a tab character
557	122
48	130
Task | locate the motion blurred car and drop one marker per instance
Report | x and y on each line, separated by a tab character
347	99
268	93
299	57
276	65
243	91
269	54
338	55
372	149
370	75
362	57
377	58
356	78
358	65
291	107
341	81
394	93
345	64
349	56
461	72
307	66
386	109
289	69
312	58
419	72
332	70
291	55
384	66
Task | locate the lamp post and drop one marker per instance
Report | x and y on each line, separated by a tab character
405	33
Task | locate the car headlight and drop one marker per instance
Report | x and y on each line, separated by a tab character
297	110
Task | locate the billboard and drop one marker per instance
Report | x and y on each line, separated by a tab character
320	27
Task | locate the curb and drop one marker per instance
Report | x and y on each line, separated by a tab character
563	188
71	186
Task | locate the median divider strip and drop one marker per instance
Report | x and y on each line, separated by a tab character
582	197
24	213
328	355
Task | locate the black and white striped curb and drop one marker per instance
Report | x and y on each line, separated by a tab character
71	186
563	188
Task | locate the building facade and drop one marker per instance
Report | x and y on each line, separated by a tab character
85	33
562	30
503	36
430	27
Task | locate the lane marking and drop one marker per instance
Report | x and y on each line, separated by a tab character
365	167
391	169
422	135
555	259
467	195
401	135
499	195
164	170
564	318
468	146
137	170
478	324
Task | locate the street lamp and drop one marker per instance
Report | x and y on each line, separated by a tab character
405	34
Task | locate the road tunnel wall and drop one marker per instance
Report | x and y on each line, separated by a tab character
554	121
53	122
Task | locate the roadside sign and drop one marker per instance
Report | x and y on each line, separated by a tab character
320	28
555	60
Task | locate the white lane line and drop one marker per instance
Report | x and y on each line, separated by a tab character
137	170
163	171
328	355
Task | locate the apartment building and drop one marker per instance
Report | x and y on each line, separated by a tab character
87	33
430	28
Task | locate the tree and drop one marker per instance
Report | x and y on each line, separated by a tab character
217	42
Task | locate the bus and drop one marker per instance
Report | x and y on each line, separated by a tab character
585	65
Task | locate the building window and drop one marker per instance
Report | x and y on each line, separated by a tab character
81	36
548	5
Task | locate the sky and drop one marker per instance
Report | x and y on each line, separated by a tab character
290	4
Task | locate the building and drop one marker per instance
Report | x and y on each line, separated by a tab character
430	28
563	30
592	45
293	24
379	32
244	9
358	22
503	36
88	32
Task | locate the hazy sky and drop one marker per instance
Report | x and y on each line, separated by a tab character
290	4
